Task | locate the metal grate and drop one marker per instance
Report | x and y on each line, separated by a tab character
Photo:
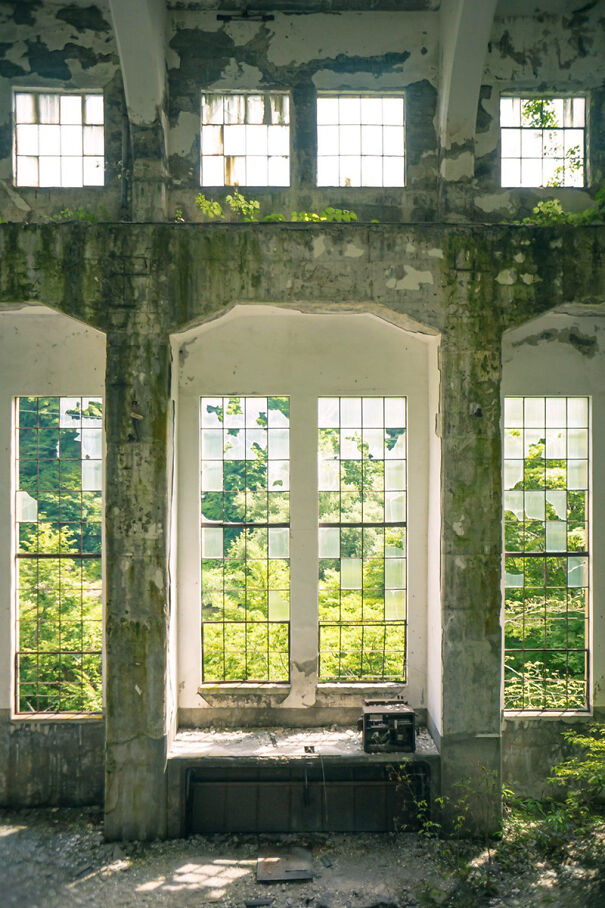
546	483
362	538
245	515
59	554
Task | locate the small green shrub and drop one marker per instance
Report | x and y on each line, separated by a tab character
209	208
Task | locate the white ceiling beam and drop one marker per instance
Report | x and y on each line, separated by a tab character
465	31
140	30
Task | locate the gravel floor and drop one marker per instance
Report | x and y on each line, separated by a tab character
55	858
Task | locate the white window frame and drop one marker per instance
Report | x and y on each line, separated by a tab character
70	126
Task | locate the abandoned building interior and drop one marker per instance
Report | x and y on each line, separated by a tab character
295	410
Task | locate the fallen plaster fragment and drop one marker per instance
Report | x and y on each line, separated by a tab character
412	279
508	276
352	251
458	528
529	278
519	257
436	253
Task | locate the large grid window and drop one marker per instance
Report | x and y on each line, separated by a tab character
542	141
58	554
362	538
59	139
245	139
245	538
360	141
546	481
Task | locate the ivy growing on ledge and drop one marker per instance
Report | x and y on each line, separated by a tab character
241	209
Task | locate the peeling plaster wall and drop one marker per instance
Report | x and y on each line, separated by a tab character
550	53
305	54
47	760
62	47
561	353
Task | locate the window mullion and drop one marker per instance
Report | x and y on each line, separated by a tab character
303	516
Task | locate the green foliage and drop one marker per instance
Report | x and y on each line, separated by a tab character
583	775
242	209
328	214
550	213
59	599
245	209
178	216
81	214
209	208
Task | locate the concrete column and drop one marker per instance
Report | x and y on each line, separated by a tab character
149	171
471	543
137	397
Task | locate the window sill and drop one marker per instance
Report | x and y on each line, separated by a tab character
547	714
244	687
57	717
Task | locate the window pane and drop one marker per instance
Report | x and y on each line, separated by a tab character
354	132
245	140
245	538
59	596
542	141
362	569
50	154
545	520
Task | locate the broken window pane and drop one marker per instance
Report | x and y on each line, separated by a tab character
545	520
245	538
542	141
59	556
362	568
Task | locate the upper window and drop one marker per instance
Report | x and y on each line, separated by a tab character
542	141
58	554
58	139
362	538
245	538
245	139
360	140
546	480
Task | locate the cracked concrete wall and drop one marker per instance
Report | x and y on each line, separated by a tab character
556	52
141	283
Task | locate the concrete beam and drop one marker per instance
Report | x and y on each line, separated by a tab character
139	27
465	30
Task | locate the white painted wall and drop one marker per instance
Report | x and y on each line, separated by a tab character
41	353
268	350
538	359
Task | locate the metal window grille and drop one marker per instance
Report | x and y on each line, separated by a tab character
542	141
245	528
546	531
362	538
58	550
360	140
59	139
245	139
